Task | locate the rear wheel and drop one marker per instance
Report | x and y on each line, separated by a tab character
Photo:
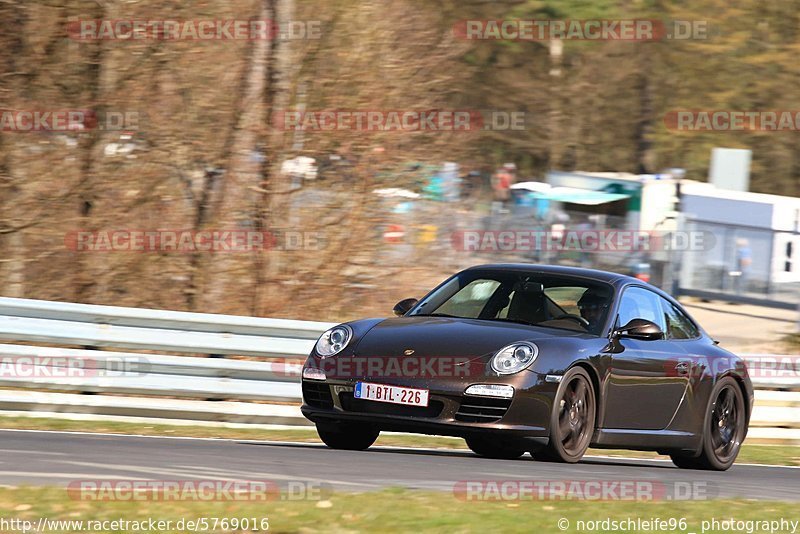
723	430
347	436
573	419
494	448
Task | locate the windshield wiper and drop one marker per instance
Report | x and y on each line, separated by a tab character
436	315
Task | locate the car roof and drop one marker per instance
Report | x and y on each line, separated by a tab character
615	279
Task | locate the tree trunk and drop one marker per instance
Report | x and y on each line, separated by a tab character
275	201
232	205
85	275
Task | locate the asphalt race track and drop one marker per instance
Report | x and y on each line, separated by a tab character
58	458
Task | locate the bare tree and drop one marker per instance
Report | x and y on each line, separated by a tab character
232	202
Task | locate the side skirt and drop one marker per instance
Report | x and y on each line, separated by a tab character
645	440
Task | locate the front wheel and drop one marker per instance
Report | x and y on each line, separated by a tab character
494	448
347	436
723	430
572	420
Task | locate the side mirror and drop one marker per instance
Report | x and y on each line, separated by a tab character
402	307
640	329
636	329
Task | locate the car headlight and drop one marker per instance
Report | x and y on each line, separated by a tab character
333	341
514	358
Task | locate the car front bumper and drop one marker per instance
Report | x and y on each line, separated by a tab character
525	416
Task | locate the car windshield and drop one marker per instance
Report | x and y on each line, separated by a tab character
540	299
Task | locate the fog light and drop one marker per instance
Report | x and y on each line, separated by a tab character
490	390
312	373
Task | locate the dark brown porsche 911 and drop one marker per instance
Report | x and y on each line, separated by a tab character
529	358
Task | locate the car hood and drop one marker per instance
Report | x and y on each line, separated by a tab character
448	337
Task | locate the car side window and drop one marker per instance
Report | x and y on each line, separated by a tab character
639	303
679	326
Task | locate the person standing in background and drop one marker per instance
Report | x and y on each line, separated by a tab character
502	180
744	259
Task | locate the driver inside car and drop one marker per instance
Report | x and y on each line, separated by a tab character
593	304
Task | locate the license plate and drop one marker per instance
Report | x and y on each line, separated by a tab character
391	394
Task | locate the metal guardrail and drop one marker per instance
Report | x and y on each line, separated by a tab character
161	319
155	385
142	329
91	371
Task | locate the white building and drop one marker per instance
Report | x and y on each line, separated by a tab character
765	227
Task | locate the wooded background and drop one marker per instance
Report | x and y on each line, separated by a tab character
206	156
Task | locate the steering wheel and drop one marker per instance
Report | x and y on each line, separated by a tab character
583	322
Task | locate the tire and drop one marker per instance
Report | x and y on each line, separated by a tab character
684	462
572	420
347	436
489	448
724	429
